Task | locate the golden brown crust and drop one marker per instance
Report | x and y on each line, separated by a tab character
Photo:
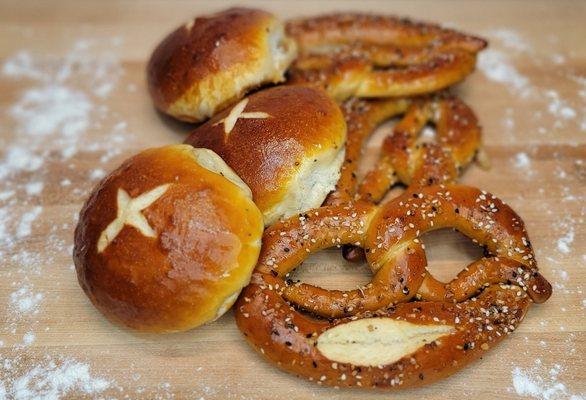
211	61
288	338
344	28
282	133
362	118
339	52
267	311
391	237
188	240
404	157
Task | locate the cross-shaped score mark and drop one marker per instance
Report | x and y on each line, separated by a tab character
236	113
129	213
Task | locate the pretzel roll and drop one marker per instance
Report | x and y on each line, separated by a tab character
286	143
212	61
168	240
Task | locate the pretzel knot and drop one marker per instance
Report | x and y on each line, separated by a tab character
364	55
450	325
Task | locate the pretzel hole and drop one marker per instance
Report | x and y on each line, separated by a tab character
428	134
373	144
448	252
391	66
330	271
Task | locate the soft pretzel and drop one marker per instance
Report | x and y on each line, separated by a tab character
433	338
404	157
365	55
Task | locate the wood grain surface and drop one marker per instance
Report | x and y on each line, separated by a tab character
73	105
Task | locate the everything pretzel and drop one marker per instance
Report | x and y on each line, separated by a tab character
404	158
507	281
365	55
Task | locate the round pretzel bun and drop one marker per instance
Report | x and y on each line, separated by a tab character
167	241
212	61
286	143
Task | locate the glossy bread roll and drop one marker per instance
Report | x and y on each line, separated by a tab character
286	143
167	241
212	61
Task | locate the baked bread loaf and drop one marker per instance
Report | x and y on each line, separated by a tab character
167	241
212	61
286	143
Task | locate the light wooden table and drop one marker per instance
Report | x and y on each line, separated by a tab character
60	131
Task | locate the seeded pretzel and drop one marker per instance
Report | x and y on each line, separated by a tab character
372	336
344	53
404	158
390	236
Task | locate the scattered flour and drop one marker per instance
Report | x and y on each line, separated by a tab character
522	160
559	107
538	383
19	158
28	338
34	188
497	67
24	300
51	109
97	173
499	63
62	100
565	241
510	39
54	380
25	225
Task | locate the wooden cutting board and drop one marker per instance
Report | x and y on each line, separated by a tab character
74	105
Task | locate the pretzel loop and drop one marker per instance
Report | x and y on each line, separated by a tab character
341	53
404	156
391	236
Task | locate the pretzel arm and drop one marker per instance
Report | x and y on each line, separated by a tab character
299	343
456	143
379	179
387	287
457	129
482	273
288	243
337	29
362	118
438	73
347	77
320	57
